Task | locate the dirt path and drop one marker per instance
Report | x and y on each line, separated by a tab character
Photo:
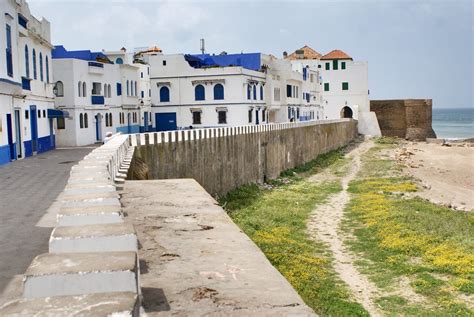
324	226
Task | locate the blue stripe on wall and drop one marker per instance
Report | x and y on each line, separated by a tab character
133	129
28	148
45	144
4	154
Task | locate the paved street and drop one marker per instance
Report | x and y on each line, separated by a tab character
27	189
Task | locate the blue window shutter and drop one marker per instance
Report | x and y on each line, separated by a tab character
255	92
218	92
248	91
304	73
261	92
143	94
164	94
199	93
119	89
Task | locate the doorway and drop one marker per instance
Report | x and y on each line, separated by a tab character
98	127
346	112
11	145
34	128
19	152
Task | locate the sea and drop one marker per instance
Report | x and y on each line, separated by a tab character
453	123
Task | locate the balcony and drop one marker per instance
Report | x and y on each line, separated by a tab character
25	83
97	100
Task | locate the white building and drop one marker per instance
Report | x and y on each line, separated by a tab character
26	92
344	90
98	95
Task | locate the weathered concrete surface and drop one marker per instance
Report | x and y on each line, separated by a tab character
79	216
195	261
81	273
27	189
236	156
404	118
93	238
91	305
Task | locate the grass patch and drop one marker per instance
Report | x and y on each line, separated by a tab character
410	237
333	158
275	219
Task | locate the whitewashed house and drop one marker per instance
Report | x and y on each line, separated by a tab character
26	89
344	90
98	95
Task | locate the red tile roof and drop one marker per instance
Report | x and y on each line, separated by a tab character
336	54
308	53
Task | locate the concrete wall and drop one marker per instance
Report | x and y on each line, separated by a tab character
225	158
405	118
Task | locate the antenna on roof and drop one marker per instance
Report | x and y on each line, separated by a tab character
203	48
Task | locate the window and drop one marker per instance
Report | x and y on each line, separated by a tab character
254	92
293	91
105	91
128	89
27	114
119	61
164	63
326	86
84	89
250	115
60	123
343	65
334	64
298	113
47	70
119	89
261	92
148	70
41	66
288	91
276	94
164	94
9	51
136	89
96	89
44	113
248	91
131	88
81	121
218	92
149	92
328	66
39	113
222	116
296	92
110	90
289	113
199	93
59	89
264	115
79	88
345	86
143	94
86	121
27	62
196	117
35	76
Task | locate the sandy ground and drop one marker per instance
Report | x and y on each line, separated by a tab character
445	172
323	226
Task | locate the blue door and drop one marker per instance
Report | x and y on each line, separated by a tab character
145	120
129	124
11	145
98	127
34	128
165	121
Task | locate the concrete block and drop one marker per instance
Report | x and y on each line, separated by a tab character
81	273
88	189
109	201
90	305
94	238
85	194
79	216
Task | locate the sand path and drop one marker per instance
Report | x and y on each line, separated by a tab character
324	226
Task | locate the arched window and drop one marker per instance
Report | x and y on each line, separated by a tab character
261	92
79	88
218	92
119	61
59	89
41	66
86	121
248	92
27	62
128	91
131	88
106	119
84	89
254	92
47	70
110	91
105	90
136	90
110	120
81	121
199	93
164	94
35	75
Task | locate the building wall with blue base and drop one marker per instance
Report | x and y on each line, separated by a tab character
4	154
133	129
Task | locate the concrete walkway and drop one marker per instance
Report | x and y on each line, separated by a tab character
194	261
27	189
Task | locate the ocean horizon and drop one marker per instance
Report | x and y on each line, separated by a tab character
453	123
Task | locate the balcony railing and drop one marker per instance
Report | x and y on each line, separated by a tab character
25	83
97	100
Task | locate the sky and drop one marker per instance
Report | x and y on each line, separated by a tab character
415	49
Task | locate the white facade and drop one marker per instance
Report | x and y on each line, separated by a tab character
99	97
26	89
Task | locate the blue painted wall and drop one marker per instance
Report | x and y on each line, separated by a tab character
4	154
28	148
133	128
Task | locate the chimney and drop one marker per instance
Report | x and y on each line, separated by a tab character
285	54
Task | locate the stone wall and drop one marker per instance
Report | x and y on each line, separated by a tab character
225	158
404	118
